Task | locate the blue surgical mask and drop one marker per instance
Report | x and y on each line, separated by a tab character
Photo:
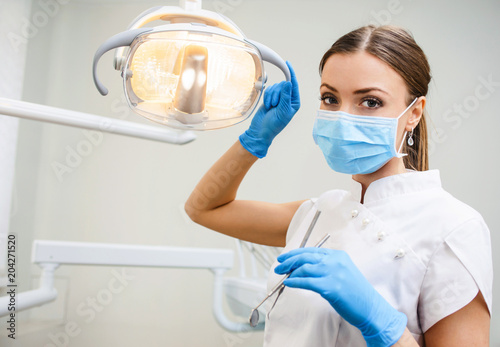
357	144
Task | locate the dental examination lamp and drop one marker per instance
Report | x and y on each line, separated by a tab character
196	71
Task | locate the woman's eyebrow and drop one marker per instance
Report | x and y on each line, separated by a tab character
359	91
368	90
329	87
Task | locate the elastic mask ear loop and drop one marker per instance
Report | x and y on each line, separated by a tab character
400	155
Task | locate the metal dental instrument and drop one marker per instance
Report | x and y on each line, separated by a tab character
310	229
254	315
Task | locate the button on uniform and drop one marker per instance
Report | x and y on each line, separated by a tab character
381	235
400	253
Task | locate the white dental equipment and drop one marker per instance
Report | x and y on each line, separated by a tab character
196	70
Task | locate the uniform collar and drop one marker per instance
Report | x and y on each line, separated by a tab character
401	184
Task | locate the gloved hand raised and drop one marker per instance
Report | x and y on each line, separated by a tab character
332	274
281	102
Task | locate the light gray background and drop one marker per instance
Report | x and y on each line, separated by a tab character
132	191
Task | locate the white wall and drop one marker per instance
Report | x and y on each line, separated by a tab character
132	191
12	59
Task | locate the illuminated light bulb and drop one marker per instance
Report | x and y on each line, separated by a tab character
189	100
152	77
232	77
193	79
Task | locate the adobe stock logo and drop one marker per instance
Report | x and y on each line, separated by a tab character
385	16
90	308
75	154
459	112
483	90
30	26
224	6
219	180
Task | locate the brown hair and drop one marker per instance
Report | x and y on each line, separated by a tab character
397	48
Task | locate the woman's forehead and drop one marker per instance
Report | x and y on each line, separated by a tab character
361	70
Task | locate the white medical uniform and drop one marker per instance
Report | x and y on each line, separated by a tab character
425	252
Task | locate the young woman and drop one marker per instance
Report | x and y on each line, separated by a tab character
407	264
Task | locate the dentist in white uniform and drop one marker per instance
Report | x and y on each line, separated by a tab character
407	263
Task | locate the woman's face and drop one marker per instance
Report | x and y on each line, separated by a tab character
361	84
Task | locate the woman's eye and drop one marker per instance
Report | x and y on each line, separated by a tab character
371	103
329	100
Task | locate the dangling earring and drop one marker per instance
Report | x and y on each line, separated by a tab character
410	139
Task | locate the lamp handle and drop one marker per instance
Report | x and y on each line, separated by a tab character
272	57
119	40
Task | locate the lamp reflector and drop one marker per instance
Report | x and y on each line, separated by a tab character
204	80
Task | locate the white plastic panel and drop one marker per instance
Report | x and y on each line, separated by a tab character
84	253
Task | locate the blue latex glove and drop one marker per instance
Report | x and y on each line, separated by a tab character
332	274
281	102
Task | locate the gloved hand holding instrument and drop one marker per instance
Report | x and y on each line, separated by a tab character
332	274
281	102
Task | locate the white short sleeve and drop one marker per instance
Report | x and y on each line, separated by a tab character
298	217
459	267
